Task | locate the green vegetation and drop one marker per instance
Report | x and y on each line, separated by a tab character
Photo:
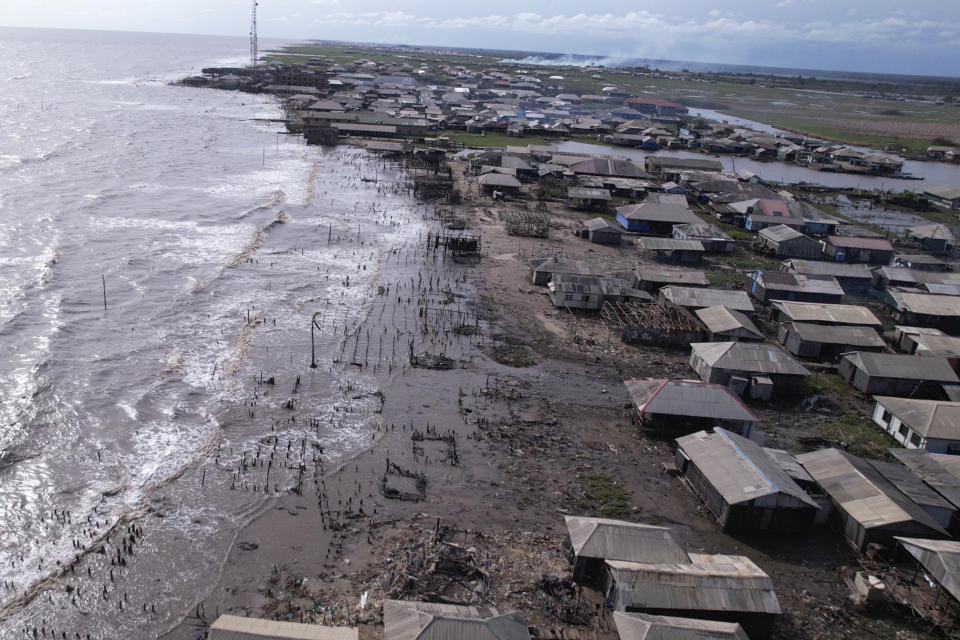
514	356
860	433
724	279
829	384
603	494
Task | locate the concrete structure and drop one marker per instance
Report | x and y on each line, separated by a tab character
896	374
932	425
725	325
824	342
743	485
228	627
592	541
753	369
865	506
682	406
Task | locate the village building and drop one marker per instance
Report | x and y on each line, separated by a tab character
742	484
906	337
652	278
590	292
653	218
825	314
940	472
601	231
865	506
543	269
935	238
921	262
786	242
405	620
673	251
924	309
897	374
854	278
856	249
767	286
912	486
942	196
640	626
936	346
592	541
824	342
710	587
757	370
693	298
669	166
587	199
713	239
491	183
725	324
228	627
939	561
887	277
933	425
676	407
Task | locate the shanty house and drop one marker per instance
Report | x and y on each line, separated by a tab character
865	506
588	199
933	425
726	324
713	239
935	238
694	298
758	370
854	278
824	314
672	250
228	627
925	309
654	219
825	342
543	269
855	249
767	286
781	240
600	231
499	183
652	278
640	626
743	485
592	541
921	262
947	197
711	587
896	374
683	406
590	292
940	561
939	471
403	620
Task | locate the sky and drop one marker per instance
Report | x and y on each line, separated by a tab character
888	36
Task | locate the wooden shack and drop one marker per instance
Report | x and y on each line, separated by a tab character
823	342
897	374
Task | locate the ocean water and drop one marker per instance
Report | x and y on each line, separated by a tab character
212	235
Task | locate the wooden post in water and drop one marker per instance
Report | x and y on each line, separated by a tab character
104	280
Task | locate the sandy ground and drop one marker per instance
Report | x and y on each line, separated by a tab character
501	454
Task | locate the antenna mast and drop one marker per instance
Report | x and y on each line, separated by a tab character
253	36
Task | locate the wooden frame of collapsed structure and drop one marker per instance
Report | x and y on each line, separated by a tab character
462	247
527	223
652	323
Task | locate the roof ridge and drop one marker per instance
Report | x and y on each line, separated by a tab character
723	433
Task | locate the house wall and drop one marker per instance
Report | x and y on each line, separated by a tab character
906	436
575	300
605	237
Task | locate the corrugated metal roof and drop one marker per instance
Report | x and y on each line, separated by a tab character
228	627
925	303
738	468
668	199
941	559
498	180
782	233
595	224
562	265
699	298
654	212
718	319
905	367
940	471
679	276
669	244
702	230
404	620
873	244
789	463
709	583
620	540
832	313
691	398
843	335
584	193
932	232
933	345
751	357
911	486
929	418
800	283
824	268
863	493
640	626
